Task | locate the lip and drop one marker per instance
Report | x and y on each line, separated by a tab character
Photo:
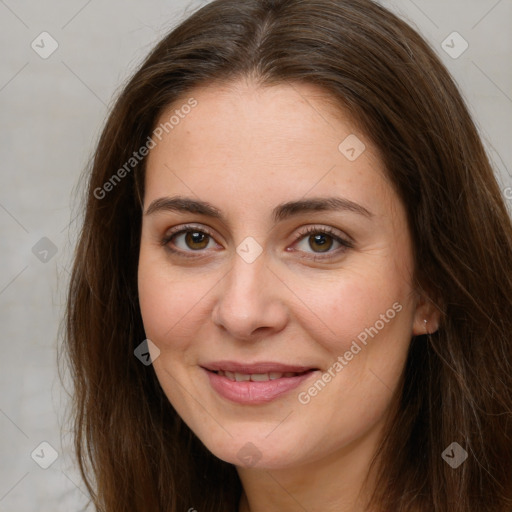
253	393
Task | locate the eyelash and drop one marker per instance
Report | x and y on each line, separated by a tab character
345	244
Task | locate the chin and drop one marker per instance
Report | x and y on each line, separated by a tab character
258	450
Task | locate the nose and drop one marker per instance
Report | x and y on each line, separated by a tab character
250	300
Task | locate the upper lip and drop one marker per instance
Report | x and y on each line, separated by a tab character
253	368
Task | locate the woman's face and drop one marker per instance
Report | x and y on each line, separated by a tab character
274	275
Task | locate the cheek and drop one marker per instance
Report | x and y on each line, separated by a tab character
346	306
367	320
167	300
364	323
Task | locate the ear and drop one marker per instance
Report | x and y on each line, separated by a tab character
426	317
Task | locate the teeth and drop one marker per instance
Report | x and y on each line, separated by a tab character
255	377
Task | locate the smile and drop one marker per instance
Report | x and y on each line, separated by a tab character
255	377
253	384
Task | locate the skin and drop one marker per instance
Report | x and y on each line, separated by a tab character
245	149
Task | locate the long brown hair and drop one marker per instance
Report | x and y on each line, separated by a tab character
135	453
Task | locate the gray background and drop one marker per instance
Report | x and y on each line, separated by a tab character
52	111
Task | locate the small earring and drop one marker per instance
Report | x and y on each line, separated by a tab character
425	320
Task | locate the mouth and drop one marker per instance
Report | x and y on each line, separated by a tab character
256	383
257	377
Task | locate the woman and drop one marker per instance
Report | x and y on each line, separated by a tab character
290	215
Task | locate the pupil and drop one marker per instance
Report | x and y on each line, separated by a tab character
320	240
195	237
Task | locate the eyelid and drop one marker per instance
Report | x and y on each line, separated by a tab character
185	227
341	236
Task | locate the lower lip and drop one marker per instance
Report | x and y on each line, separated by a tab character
252	393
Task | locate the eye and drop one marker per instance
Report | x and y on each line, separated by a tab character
321	240
188	239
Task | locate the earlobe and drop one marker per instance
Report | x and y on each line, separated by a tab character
426	318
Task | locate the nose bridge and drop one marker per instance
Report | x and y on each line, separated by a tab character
248	276
247	299
244	288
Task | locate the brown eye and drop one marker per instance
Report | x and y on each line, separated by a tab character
196	240
320	241
187	240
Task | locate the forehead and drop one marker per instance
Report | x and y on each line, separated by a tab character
286	113
245	139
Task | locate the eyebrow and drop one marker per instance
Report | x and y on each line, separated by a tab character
279	213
